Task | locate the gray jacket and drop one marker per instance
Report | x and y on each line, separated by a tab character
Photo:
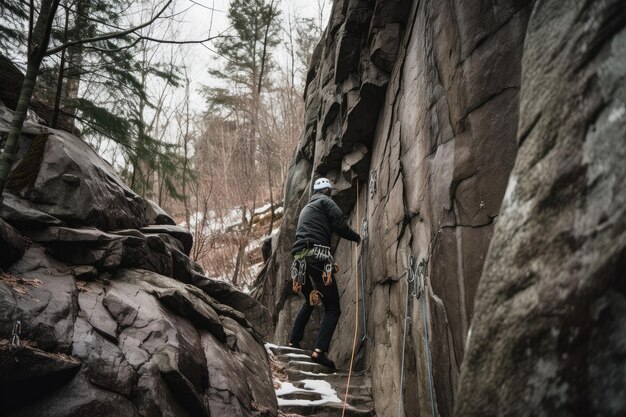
318	220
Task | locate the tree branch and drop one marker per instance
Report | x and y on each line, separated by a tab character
108	35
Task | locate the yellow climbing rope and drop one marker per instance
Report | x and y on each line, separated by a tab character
356	310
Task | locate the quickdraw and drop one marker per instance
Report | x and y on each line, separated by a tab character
298	274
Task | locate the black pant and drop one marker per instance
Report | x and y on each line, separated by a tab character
330	299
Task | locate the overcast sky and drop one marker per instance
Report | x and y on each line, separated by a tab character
201	22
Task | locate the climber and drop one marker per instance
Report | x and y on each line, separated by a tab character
313	266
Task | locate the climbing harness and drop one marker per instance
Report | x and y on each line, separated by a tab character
299	273
15	336
356	311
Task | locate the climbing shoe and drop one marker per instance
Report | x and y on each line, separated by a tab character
322	360
295	345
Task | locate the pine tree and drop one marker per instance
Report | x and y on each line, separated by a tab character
248	63
88	48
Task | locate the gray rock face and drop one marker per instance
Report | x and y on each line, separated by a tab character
20	213
548	336
75	185
116	319
133	331
427	121
421	131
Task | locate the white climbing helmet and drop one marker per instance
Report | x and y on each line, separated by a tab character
322	183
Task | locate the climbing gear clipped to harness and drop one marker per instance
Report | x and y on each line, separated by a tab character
314	297
298	274
327	274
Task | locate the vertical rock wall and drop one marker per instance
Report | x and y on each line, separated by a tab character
417	104
549	335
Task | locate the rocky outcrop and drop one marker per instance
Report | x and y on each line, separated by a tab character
412	110
106	313
548	336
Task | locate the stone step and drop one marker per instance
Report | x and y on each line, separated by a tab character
335	379
353	399
283	350
327	410
302	395
307	366
309	401
355	390
288	357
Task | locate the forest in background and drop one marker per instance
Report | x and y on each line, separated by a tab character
118	74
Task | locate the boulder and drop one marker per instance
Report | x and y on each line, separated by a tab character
156	215
41	293
136	340
64	178
21	214
181	234
78	398
90	246
227	294
237	385
12	245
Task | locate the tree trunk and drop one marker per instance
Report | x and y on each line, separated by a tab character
269	183
59	90
38	46
75	62
243	243
186	154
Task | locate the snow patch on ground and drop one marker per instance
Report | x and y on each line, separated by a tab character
322	388
269	347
